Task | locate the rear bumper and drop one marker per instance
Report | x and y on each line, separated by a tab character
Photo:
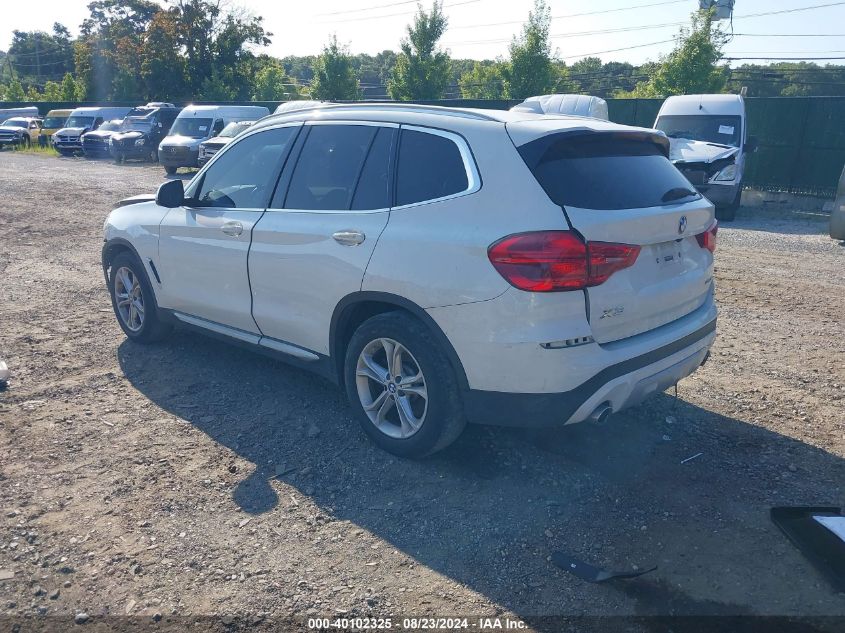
620	386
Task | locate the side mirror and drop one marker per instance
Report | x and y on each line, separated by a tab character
751	144
170	194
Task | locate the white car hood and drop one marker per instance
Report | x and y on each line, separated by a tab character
685	150
72	131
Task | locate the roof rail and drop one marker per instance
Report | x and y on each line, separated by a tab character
405	107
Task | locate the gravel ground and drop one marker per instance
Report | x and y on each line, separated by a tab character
195	478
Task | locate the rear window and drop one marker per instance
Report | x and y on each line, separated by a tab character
599	171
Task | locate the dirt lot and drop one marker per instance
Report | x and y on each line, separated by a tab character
196	478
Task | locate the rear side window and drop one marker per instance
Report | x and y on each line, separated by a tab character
603	171
328	167
430	167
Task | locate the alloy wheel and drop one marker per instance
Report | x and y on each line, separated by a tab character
129	298
391	388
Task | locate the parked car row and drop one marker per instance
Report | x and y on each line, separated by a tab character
156	132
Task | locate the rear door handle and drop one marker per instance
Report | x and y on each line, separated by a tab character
349	238
233	228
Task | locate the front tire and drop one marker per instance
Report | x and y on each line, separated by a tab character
170	170
401	386
133	300
728	212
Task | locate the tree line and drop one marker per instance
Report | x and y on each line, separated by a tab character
138	50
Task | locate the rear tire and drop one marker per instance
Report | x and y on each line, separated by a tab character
419	420
170	170
133	300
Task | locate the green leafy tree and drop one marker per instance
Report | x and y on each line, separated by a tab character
422	70
530	70
52	91
36	54
68	89
162	64
334	78
215	88
691	67
15	91
273	84
484	81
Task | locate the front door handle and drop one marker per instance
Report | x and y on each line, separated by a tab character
232	228
349	238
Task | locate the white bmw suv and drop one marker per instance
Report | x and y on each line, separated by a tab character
442	265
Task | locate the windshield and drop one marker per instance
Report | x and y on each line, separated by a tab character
195	128
110	126
80	121
722	130
54	122
234	128
16	123
141	124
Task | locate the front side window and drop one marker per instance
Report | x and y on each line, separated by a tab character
329	166
244	175
373	190
430	167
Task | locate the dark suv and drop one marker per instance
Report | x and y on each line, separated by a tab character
142	130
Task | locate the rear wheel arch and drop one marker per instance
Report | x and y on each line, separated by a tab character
356	308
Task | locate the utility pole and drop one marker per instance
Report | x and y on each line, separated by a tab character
38	57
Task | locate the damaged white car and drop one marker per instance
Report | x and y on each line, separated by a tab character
708	143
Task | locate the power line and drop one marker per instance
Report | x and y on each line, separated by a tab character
789	34
616	50
645	27
570	15
392	15
797	59
377	6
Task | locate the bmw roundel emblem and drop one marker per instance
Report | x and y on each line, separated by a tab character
682	225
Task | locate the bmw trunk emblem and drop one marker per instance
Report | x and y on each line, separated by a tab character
682	225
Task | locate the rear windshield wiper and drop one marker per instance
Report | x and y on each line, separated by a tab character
677	193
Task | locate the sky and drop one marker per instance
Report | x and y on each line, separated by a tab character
481	29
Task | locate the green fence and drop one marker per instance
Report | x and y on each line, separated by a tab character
801	139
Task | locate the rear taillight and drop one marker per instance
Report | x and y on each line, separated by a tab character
549	261
708	238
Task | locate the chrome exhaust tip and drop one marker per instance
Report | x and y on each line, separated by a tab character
601	413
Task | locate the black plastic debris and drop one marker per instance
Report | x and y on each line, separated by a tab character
587	572
813	530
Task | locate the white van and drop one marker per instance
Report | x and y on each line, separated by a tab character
26	111
68	140
709	140
198	123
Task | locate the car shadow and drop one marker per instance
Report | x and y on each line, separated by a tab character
667	483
